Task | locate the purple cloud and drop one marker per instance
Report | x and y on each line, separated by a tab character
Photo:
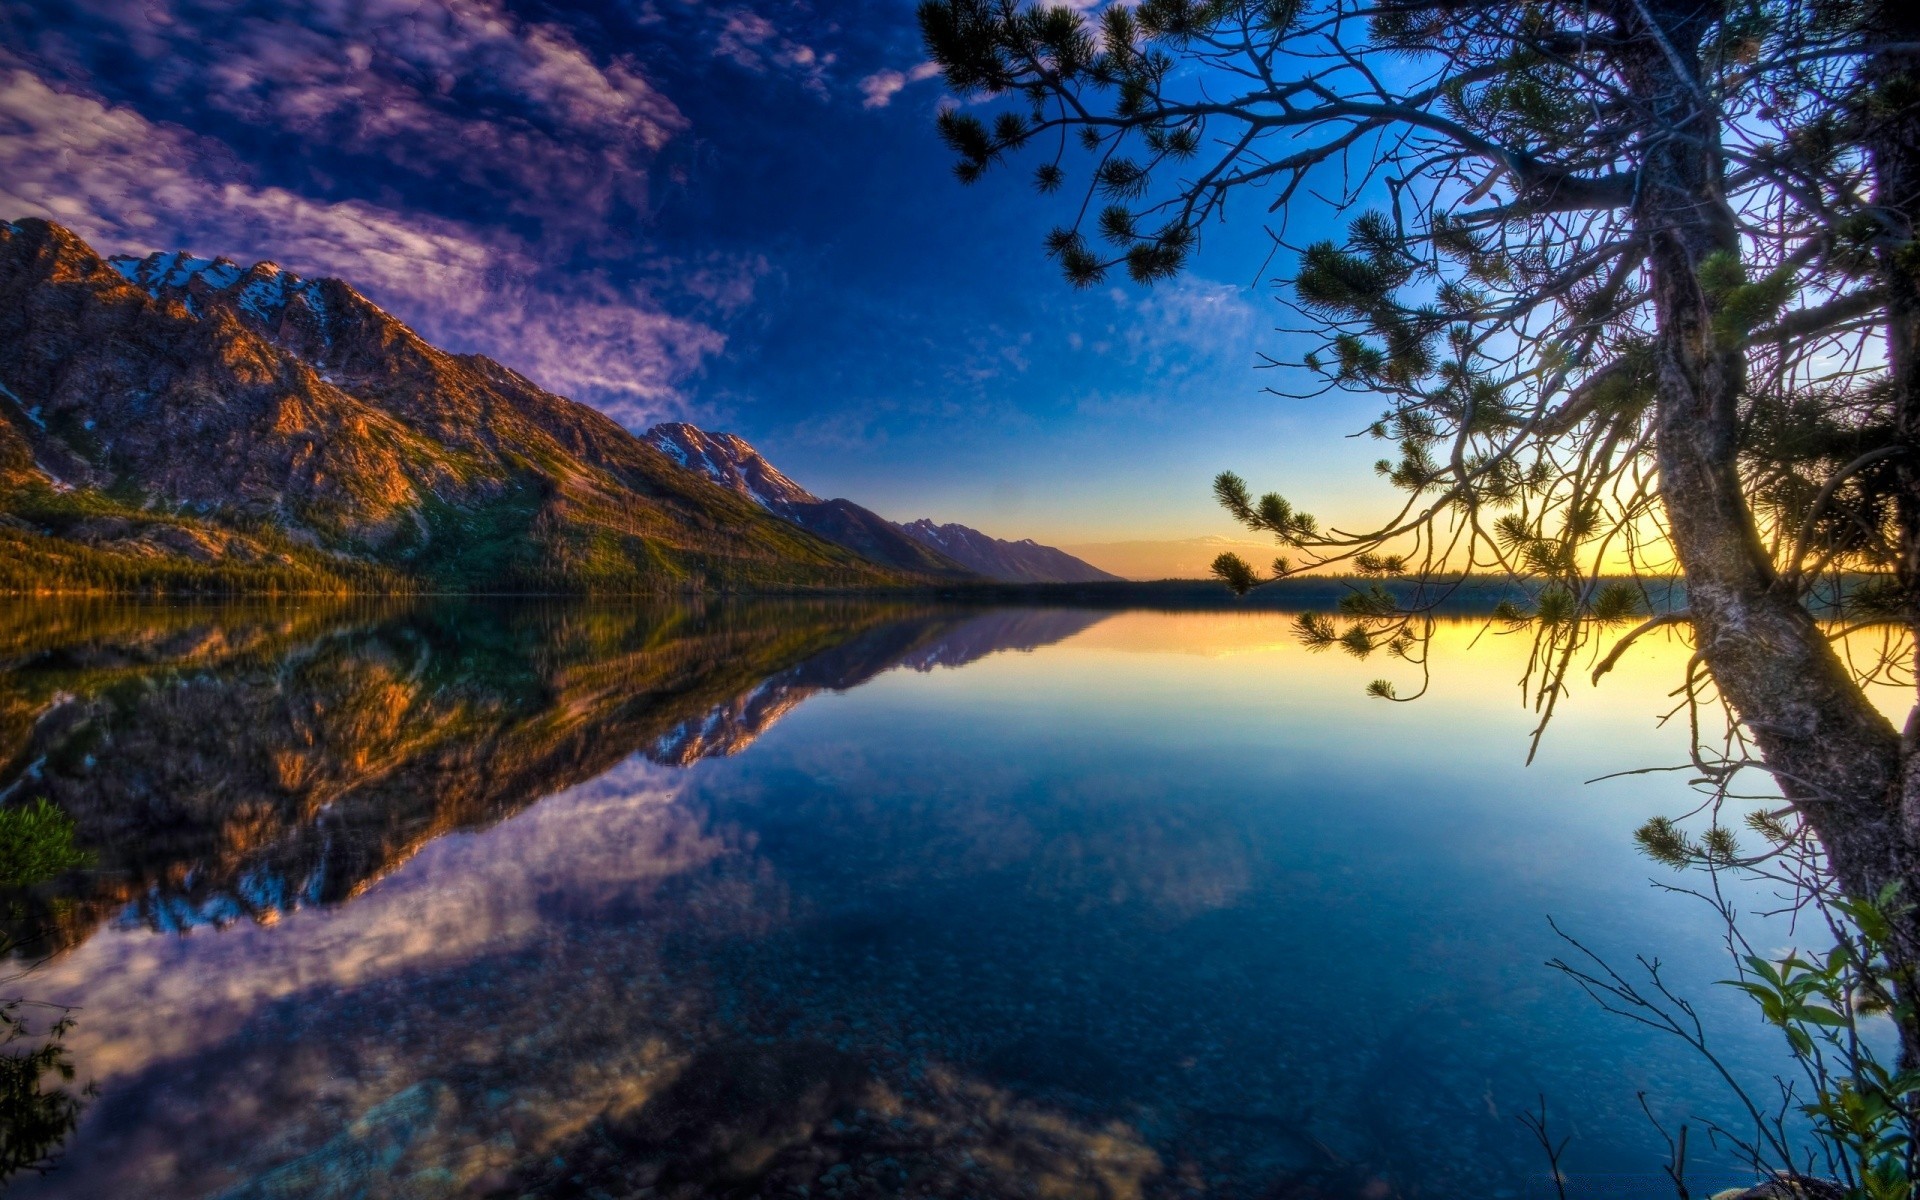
750	40
881	87
450	90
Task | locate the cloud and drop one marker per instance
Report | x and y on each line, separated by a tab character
454	90
128	184
881	87
1188	323
750	40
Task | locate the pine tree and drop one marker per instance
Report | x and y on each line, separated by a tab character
1637	286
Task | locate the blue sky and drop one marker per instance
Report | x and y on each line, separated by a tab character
735	214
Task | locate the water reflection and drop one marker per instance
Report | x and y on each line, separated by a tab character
494	900
234	765
38	1107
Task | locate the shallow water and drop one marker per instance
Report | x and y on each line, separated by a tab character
862	900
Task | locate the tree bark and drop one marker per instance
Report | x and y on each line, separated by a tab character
1833	755
1892	124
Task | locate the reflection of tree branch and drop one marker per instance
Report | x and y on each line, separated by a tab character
34	1121
36	845
1670	1014
1536	1124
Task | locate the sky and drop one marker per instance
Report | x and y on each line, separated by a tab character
735	214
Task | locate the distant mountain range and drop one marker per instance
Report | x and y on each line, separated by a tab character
174	422
1024	561
733	464
917	546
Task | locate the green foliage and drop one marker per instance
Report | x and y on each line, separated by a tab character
1315	630
1511	612
1554	606
1863	1110
36	844
525	537
1741	305
1370	601
1831	1007
1231	569
1664	842
37	1110
1530	320
1499	298
1618	600
1272	514
40	551
1797	443
1357	640
1383	565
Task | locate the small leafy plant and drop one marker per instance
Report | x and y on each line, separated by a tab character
1862	1111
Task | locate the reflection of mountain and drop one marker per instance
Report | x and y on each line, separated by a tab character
235	764
731	727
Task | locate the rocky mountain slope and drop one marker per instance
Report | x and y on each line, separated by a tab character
168	415
732	463
1024	561
922	546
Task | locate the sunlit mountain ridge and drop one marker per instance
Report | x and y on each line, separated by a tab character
921	545
173	421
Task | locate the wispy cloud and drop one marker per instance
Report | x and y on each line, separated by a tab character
458	90
881	87
748	39
1190	321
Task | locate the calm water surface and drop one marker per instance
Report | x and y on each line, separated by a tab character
834	900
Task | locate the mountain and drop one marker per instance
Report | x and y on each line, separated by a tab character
170	420
733	464
1024	561
921	546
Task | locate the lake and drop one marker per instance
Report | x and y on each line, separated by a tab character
839	899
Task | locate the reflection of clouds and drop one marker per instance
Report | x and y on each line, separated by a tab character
604	844
1102	839
1136	843
1053	906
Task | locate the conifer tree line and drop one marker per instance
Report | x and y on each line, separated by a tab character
1636	286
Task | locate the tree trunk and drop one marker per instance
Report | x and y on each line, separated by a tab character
1892	121
1833	755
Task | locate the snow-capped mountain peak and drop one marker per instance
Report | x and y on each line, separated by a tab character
264	291
1024	561
730	462
733	464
